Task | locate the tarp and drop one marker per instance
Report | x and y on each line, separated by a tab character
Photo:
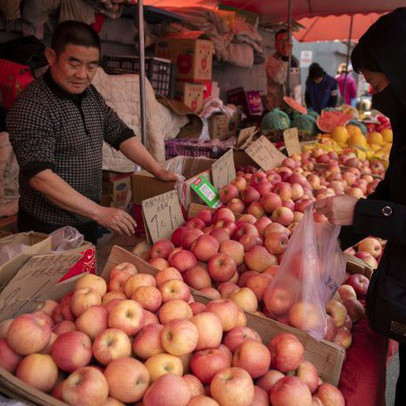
334	27
277	10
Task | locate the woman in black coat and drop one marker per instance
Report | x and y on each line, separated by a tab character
380	56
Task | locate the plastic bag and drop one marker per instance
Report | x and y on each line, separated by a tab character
312	269
10	251
66	238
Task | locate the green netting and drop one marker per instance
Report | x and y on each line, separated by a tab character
275	120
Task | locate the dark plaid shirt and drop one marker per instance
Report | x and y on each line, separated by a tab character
51	129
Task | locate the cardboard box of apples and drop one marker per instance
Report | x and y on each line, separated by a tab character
138	338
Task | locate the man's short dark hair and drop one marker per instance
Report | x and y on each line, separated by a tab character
281	32
74	33
316	71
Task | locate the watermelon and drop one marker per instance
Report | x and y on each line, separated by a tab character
330	119
306	125
276	120
294	105
314	114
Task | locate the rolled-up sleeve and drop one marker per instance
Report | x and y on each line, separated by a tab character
32	136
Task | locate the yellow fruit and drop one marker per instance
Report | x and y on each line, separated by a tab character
353	129
357	140
375	138
374	147
340	135
387	135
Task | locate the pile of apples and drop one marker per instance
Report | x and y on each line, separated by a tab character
138	340
370	250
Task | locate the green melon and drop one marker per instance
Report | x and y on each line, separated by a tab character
275	120
306	124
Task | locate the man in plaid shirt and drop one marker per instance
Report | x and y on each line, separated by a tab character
57	128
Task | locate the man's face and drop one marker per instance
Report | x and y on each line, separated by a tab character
283	45
74	68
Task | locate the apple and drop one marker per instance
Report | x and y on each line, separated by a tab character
210	330
258	258
355	309
94	282
253	356
124	266
167	274
345	291
226	224
9	359
202	400
204	247
64	327
136	281
305	316
108	306
235	337
83	299
211	293
128	316
250	195
223	214
256	209
85	387
38	371
282	215
264	187
371	245
63	311
221	267
220	235
195	223
206	363
168	390
149	297
247	218
286	352
232	387
110	296
227	288
243	228
343	338
72	351
117	281
240	183
197	277
226	310
307	372
368	259
28	334
267	381
241	318
112	402
261	225
278	300
128	379
271	270
195	386
227	193
245	298
148	341
162	364
276	242
207	216
179	337
360	283
188	237
174	309
93	321
259	284
261	398
197	308
159	263
329	395
290	390
48	306
283	189
111	344
174	289
177	235
183	260
337	311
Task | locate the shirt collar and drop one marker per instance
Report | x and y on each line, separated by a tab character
60	91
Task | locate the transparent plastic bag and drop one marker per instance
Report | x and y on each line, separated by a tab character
66	238
10	251
312	269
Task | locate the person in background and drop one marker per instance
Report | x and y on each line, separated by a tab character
321	89
276	68
57	127
342	80
381	57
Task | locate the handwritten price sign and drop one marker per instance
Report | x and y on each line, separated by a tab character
162	215
264	153
291	138
223	170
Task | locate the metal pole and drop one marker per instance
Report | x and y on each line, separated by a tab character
347	60
141	51
290	39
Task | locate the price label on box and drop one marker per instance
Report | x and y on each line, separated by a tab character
264	153
245	136
162	215
223	170
291	138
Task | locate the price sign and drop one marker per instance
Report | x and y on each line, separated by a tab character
162	215
264	153
291	138
245	135
223	170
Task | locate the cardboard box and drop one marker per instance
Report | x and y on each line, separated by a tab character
190	94
116	189
145	185
192	56
219	127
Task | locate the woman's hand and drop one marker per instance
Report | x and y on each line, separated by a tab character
166	176
339	210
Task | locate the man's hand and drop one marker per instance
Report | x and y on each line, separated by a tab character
166	176
339	210
115	219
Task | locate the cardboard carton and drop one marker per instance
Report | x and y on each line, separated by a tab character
116	190
192	56
190	94
145	185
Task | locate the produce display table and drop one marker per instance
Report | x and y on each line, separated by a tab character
363	377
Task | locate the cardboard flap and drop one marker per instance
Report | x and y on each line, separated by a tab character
291	138
34	280
264	153
223	170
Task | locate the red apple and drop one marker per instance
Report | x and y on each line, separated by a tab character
9	359
360	283
287	352
290	390
254	357
221	267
